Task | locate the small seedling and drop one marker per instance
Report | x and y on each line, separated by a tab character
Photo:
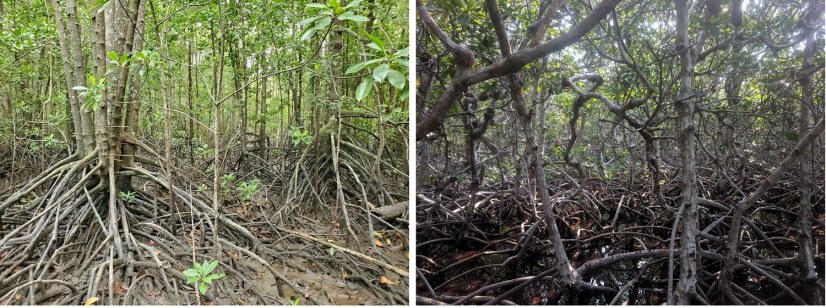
127	197
225	179
295	303
300	136
247	190
201	273
202	187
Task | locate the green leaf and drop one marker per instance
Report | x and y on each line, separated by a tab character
208	267
380	72
191	273
364	88
202	287
359	18
308	34
396	79
308	20
322	23
376	40
403	62
464	19
80	88
113	55
333	3
103	7
192	279
345	16
404	52
123	58
359	66
376	47
315	6
197	267
91	80
352	4
332	251
405	93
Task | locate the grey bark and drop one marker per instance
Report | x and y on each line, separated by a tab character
70	83
689	256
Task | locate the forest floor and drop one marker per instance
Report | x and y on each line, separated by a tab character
288	243
507	259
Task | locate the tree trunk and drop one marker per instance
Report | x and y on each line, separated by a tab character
133	107
689	256
262	142
804	238
70	83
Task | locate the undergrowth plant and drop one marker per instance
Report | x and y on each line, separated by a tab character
201	273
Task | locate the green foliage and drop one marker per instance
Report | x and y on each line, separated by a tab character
387	65
226	179
49	142
93	93
202	273
295	302
202	187
247	190
127	197
326	13
299	135
201	150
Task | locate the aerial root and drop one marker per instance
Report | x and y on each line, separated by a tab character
64	232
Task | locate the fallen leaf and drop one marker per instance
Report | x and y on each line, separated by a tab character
151	243
307	294
377	234
208	303
408	255
398	234
157	252
401	244
119	288
378	243
239	210
17	297
91	301
16	270
384	280
243	302
388	242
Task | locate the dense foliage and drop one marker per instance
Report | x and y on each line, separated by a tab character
148	139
